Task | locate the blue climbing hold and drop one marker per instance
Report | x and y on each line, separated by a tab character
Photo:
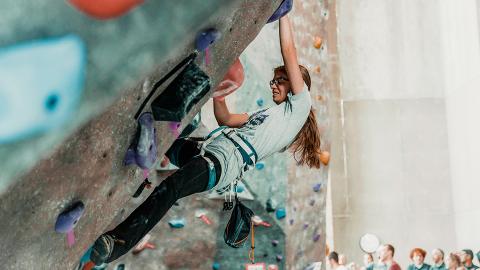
259	166
68	219
206	38
177	223
281	11
260	102
38	89
281	213
215	266
317	187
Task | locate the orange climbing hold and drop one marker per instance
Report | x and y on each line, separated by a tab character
317	43
105	9
325	157
231	81
317	69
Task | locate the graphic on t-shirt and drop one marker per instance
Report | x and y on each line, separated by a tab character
256	119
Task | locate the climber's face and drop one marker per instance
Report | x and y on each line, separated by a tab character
280	87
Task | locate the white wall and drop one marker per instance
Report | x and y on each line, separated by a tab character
410	90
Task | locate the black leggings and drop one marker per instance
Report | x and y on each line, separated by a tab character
192	177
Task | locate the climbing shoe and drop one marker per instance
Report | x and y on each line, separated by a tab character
102	249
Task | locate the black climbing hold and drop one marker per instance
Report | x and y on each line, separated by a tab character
186	90
270	205
143	185
192	126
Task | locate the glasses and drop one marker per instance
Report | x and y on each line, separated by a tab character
278	81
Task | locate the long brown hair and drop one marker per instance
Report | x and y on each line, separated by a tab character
306	145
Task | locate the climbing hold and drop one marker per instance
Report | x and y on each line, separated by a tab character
145	184
294	209
319	98
282	10
265	255
259	166
279	258
120	267
317	43
206	38
281	213
258	221
174	126
177	223
312	202
317	187
202	214
186	90
270	205
231	81
192	126
215	266
143	244
260	102
317	69
68	219
272	267
325	157
291	221
143	150
316	237
305	226
105	9
275	243
39	90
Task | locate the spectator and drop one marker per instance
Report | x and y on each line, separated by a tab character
453	262
368	261
437	257
342	259
417	255
385	254
333	261
467	259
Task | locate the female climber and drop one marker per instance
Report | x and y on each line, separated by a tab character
220	160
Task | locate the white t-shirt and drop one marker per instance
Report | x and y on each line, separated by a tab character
268	130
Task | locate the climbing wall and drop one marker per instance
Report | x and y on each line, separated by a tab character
125	52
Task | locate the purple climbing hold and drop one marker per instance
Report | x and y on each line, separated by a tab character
281	11
279	258
317	187
206	38
68	219
275	243
291	221
143	150
316	237
312	202
305	226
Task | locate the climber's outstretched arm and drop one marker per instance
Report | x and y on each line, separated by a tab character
225	118
289	54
